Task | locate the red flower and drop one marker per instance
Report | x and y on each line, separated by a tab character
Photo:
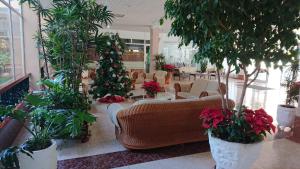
169	67
247	124
213	117
259	121
151	87
111	99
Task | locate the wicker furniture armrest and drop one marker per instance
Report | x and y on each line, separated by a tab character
204	94
182	88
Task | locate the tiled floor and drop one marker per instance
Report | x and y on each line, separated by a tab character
279	154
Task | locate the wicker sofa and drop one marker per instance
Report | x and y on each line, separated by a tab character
151	123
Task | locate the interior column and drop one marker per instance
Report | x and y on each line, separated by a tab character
154	45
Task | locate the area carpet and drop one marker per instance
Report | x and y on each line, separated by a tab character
128	157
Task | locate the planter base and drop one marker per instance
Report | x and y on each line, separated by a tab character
42	159
228	155
286	116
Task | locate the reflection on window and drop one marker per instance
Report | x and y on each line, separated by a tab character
179	56
11	51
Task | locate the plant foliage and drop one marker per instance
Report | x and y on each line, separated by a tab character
111	74
240	32
160	61
246	127
70	29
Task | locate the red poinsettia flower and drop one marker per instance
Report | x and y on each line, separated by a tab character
247	124
111	99
213	117
151	87
169	67
259	121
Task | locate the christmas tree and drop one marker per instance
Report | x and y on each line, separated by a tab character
111	75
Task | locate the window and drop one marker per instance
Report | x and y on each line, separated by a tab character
11	41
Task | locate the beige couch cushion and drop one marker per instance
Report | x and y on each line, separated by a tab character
199	86
187	95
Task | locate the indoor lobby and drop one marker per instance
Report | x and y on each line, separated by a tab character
140	84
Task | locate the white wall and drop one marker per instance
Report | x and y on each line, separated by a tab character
32	63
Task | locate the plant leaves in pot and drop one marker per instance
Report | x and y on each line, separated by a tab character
235	137
39	151
286	113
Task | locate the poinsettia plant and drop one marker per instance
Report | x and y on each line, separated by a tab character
247	126
151	88
169	67
111	99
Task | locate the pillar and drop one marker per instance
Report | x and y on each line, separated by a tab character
154	45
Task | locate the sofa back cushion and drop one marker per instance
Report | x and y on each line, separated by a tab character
212	86
199	86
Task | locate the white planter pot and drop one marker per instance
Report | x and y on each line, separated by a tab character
286	115
229	155
42	159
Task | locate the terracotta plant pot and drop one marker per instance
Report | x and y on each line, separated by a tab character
229	155
286	115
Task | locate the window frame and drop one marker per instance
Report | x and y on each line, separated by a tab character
12	11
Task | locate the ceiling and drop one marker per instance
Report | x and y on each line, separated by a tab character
139	15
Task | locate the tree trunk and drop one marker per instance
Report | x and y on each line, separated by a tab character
240	104
226	83
222	96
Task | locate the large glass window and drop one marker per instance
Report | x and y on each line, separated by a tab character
11	42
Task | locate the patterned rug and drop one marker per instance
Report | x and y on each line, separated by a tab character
127	157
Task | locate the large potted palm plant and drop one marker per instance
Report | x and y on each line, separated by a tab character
233	34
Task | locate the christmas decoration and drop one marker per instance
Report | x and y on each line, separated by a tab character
111	78
111	99
151	88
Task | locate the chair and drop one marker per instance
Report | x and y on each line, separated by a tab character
200	88
160	77
176	73
136	78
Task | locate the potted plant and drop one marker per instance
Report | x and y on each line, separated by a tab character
236	35
70	106
151	88
286	112
203	65
169	68
236	137
160	61
39	151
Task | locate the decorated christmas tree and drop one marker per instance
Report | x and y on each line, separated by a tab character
111	77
